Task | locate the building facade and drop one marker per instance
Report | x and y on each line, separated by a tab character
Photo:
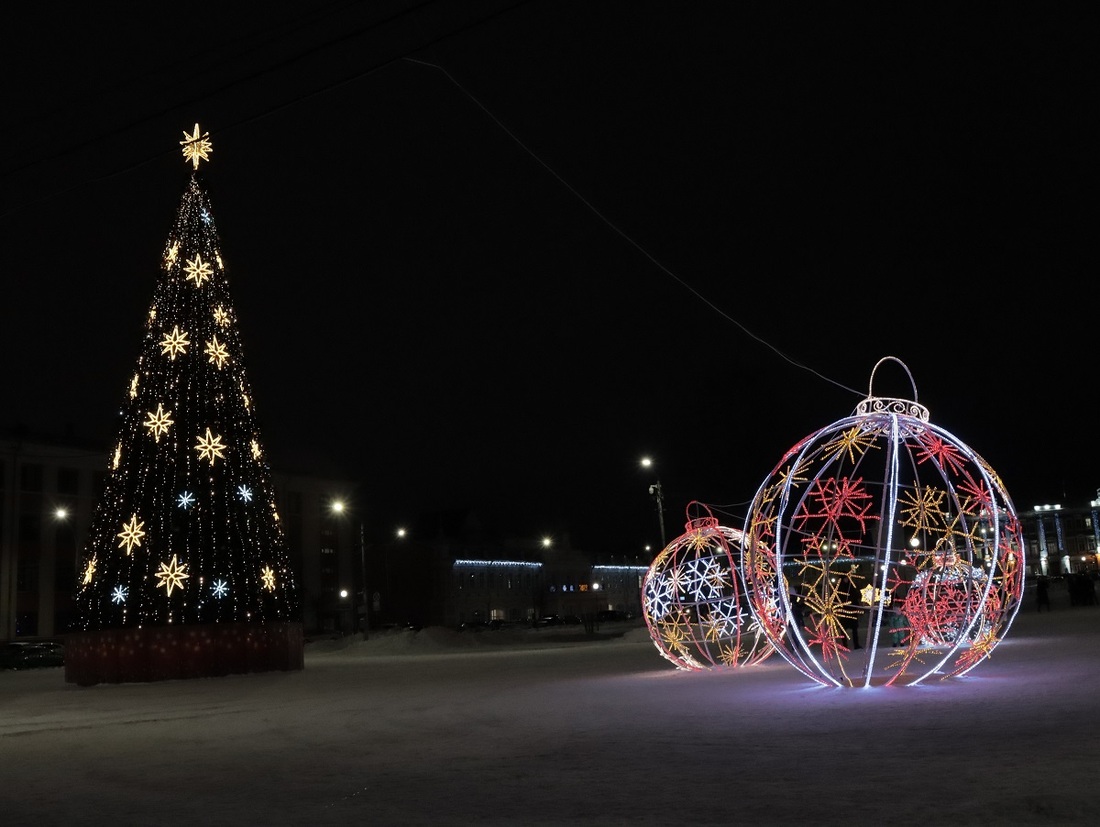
1062	539
438	572
48	491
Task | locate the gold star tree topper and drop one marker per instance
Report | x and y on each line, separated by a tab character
196	147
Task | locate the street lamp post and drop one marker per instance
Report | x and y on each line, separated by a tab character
363	570
658	494
61	515
338	507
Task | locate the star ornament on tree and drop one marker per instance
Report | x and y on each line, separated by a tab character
131	534
210	447
217	352
159	421
268	576
174	343
196	147
89	570
198	270
171	575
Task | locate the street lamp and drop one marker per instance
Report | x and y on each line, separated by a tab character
61	515
338	507
658	494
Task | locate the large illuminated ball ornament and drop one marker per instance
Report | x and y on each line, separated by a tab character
694	603
885	531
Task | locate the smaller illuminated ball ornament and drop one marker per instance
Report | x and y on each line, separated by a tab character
694	603
891	548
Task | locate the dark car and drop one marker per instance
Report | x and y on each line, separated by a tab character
609	615
31	655
473	626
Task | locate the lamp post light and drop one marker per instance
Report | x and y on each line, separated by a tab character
338	507
658	494
61	515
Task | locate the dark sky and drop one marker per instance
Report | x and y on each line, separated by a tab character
490	254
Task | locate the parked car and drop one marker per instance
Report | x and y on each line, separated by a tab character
473	626
608	615
31	655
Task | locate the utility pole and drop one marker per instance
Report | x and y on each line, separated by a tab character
656	492
363	572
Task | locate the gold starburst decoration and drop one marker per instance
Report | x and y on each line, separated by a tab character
198	270
221	318
196	147
117	458
217	352
89	570
131	534
256	451
171	575
210	447
174	343
134	386
158	421
173	253
268	576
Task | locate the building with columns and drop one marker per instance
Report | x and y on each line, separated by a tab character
1062	539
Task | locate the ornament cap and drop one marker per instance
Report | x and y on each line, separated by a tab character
891	405
699	523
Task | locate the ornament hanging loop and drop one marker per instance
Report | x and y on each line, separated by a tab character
881	404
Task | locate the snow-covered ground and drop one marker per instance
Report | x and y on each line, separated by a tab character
440	727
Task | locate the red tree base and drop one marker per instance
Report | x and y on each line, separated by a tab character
165	653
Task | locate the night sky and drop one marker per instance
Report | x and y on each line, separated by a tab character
489	254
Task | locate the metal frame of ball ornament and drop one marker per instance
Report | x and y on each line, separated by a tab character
694	602
897	544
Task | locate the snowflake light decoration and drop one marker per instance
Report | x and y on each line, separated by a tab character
694	604
884	529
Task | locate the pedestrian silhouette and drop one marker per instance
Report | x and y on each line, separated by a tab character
899	625
852	611
1042	593
797	615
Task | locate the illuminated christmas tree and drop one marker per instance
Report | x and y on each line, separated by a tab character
186	571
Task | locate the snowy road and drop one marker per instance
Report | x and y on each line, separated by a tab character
600	733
